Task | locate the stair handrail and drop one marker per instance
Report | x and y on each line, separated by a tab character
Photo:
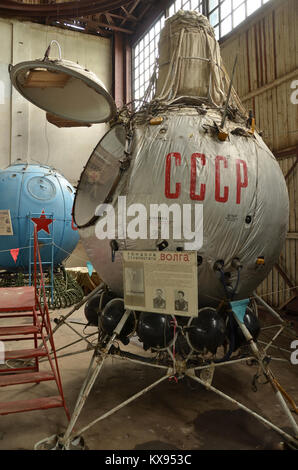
46	322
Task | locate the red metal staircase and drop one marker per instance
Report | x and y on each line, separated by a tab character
29	302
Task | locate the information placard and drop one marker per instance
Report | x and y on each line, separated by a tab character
5	222
161	281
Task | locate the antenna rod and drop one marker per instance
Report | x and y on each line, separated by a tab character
229	94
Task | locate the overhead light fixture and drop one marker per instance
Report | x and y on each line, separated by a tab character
74	26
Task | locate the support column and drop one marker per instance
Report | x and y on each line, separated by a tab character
128	72
122	70
118	70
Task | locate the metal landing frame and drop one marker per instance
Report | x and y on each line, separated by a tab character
72	438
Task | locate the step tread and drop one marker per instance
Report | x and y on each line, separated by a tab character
17	297
30	405
28	377
25	353
18	330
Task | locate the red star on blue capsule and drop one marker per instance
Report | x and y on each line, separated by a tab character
42	223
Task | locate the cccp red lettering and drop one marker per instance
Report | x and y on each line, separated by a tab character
193	178
240	183
168	193
225	196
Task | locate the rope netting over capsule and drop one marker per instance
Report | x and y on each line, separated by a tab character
190	63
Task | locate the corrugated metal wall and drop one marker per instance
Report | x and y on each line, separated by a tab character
266	79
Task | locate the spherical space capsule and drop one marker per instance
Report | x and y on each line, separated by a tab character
182	160
254	187
32	194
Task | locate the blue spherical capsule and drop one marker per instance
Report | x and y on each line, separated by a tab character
38	192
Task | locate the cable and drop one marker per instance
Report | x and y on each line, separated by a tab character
70	254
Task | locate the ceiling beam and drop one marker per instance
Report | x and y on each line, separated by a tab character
87	30
127	14
131	10
114	15
58	10
112	27
109	18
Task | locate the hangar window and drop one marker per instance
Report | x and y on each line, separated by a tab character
144	56
194	5
224	16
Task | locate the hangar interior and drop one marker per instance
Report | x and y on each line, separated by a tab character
123	62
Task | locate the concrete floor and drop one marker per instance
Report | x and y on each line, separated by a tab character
172	416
